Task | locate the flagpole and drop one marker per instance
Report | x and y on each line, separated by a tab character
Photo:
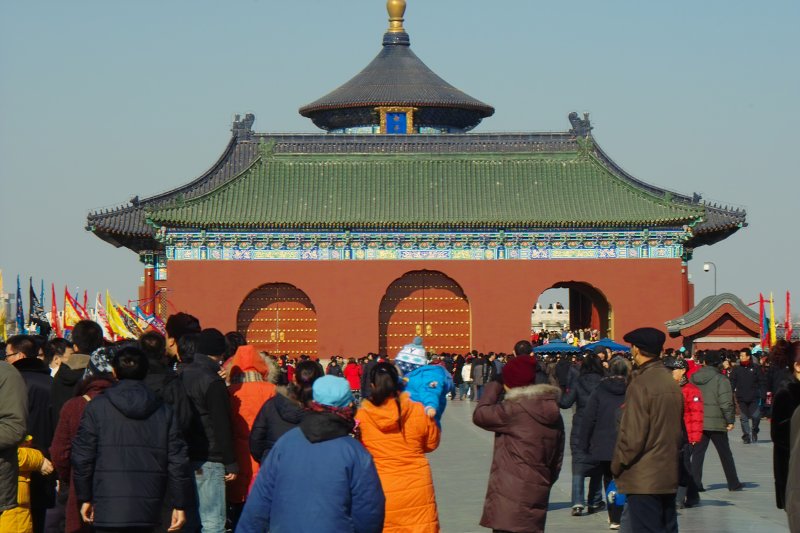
761	320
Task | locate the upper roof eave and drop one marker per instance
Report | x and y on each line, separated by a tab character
396	76
127	221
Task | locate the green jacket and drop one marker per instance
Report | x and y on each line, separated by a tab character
718	409
13	419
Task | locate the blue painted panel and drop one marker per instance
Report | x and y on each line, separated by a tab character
396	123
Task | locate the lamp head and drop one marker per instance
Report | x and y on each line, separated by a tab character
706	267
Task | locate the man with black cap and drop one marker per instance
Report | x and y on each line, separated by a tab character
718	418
645	461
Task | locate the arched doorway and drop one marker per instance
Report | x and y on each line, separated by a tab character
575	306
279	318
429	304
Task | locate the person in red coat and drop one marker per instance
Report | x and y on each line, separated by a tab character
688	494
352	373
61	447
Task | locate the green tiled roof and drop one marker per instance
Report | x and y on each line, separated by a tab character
544	190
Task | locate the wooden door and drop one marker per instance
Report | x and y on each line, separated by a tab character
428	304
280	319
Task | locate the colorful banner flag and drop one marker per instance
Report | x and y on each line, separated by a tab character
71	315
36	314
3	334
130	321
115	320
763	322
20	313
152	321
772	334
787	327
55	320
141	319
102	319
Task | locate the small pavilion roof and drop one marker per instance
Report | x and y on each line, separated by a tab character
707	307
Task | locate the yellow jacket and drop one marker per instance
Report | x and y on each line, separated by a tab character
18	519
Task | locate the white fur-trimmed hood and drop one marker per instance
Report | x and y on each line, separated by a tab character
540	402
532	391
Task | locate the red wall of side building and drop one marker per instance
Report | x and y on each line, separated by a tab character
501	294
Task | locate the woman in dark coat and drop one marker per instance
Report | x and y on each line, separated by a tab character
580	387
599	426
786	400
61	449
528	448
283	412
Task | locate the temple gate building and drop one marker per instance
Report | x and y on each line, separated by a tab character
395	222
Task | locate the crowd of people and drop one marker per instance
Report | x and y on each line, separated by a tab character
196	430
577	337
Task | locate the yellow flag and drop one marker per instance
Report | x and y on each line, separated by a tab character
71	316
773	337
115	321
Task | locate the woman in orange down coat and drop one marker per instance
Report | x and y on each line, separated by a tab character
248	373
398	434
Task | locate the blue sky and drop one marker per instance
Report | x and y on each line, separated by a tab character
101	101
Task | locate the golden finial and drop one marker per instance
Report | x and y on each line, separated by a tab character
396	9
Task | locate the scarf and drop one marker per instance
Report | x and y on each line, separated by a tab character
347	414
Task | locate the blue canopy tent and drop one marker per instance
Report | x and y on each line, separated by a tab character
608	343
556	347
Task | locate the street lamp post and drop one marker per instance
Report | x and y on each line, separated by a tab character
706	267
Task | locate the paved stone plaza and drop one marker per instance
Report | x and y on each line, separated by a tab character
461	469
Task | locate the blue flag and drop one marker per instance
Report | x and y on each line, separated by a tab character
20	312
36	314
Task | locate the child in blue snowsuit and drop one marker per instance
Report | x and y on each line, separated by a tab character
426	384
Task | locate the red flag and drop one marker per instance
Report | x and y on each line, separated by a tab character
85	301
81	309
54	320
763	324
788	326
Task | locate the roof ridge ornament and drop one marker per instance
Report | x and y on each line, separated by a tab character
243	127
396	34
580	127
396	9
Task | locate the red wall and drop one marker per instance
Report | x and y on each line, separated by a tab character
347	294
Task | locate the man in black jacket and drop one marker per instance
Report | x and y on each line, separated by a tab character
22	351
129	455
87	336
747	382
369	362
209	439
